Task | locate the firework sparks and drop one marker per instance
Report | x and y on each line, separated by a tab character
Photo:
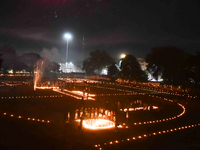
38	72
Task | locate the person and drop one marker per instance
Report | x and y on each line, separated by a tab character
65	117
82	100
81	122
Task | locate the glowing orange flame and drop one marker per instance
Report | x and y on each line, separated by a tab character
98	124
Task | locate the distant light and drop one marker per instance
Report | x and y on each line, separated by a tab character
71	63
122	56
104	71
67	36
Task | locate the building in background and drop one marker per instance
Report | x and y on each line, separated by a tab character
70	67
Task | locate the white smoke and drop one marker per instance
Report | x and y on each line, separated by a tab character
52	55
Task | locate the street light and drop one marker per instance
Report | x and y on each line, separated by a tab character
67	36
122	56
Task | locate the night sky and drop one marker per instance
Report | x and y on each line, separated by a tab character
133	26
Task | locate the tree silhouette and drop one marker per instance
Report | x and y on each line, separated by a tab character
131	69
168	62
55	67
30	59
8	57
19	66
113	71
1	60
193	69
97	61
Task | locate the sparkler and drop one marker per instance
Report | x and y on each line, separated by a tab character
38	72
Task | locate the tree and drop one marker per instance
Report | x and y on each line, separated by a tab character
89	69
193	69
97	61
113	71
30	59
55	67
168	62
19	66
1	60
131	69
8	56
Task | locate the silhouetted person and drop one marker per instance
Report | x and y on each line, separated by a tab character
65	117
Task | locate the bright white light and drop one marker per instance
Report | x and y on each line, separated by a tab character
10	71
67	36
104	71
122	55
68	67
154	80
98	124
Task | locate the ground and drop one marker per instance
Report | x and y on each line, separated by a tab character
20	133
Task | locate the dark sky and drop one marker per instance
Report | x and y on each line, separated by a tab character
130	26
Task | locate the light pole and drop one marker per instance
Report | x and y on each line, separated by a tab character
67	36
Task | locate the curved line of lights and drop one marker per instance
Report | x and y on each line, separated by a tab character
147	135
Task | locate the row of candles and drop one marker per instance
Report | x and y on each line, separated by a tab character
99	146
29	118
150	88
94	113
158	120
41	96
73	94
160	91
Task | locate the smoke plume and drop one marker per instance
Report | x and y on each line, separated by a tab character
52	55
